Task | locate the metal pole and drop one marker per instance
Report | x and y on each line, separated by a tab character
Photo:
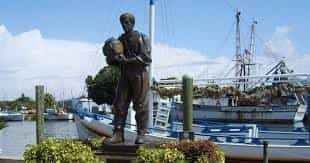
151	33
39	109
238	46
187	105
265	152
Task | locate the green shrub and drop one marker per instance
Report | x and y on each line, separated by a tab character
197	151
60	151
2	123
95	143
204	158
219	153
159	156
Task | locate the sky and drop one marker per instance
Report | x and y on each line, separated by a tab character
58	43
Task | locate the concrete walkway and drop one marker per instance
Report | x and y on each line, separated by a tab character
5	159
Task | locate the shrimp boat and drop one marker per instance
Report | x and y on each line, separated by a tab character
291	112
244	97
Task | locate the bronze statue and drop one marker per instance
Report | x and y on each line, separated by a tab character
133	84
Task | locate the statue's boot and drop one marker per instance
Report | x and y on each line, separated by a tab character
117	137
140	137
141	120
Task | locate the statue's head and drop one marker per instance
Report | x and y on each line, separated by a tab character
128	21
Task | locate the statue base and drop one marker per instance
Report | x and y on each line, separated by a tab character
121	152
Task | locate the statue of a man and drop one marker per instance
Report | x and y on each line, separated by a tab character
133	85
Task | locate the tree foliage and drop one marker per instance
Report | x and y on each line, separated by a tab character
49	100
101	88
23	99
18	103
2	123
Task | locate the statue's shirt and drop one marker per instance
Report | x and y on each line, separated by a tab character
137	50
131	42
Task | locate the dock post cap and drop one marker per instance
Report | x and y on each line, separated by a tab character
186	76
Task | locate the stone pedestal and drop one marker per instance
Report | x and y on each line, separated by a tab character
121	152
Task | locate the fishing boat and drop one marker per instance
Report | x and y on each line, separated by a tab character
53	115
282	101
11	116
248	114
244	97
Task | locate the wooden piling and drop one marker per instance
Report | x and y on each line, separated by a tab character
187	105
39	113
265	153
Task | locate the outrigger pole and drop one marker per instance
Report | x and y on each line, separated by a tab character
151	34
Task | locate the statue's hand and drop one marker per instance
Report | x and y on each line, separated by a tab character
121	59
133	60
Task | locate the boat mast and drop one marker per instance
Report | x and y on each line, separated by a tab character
152	34
238	56
251	51
244	61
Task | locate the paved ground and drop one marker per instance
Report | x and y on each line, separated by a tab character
10	161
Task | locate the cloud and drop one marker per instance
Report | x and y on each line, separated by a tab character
282	30
280	46
29	59
174	62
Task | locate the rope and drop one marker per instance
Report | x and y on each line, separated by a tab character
221	45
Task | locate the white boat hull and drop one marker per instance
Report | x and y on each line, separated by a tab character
104	128
275	152
59	117
7	116
247	114
240	151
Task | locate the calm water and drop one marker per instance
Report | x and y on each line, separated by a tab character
15	138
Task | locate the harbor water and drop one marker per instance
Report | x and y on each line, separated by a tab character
17	136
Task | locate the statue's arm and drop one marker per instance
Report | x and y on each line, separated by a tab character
145	49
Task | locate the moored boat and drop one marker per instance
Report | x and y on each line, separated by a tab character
238	142
51	114
11	116
249	114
